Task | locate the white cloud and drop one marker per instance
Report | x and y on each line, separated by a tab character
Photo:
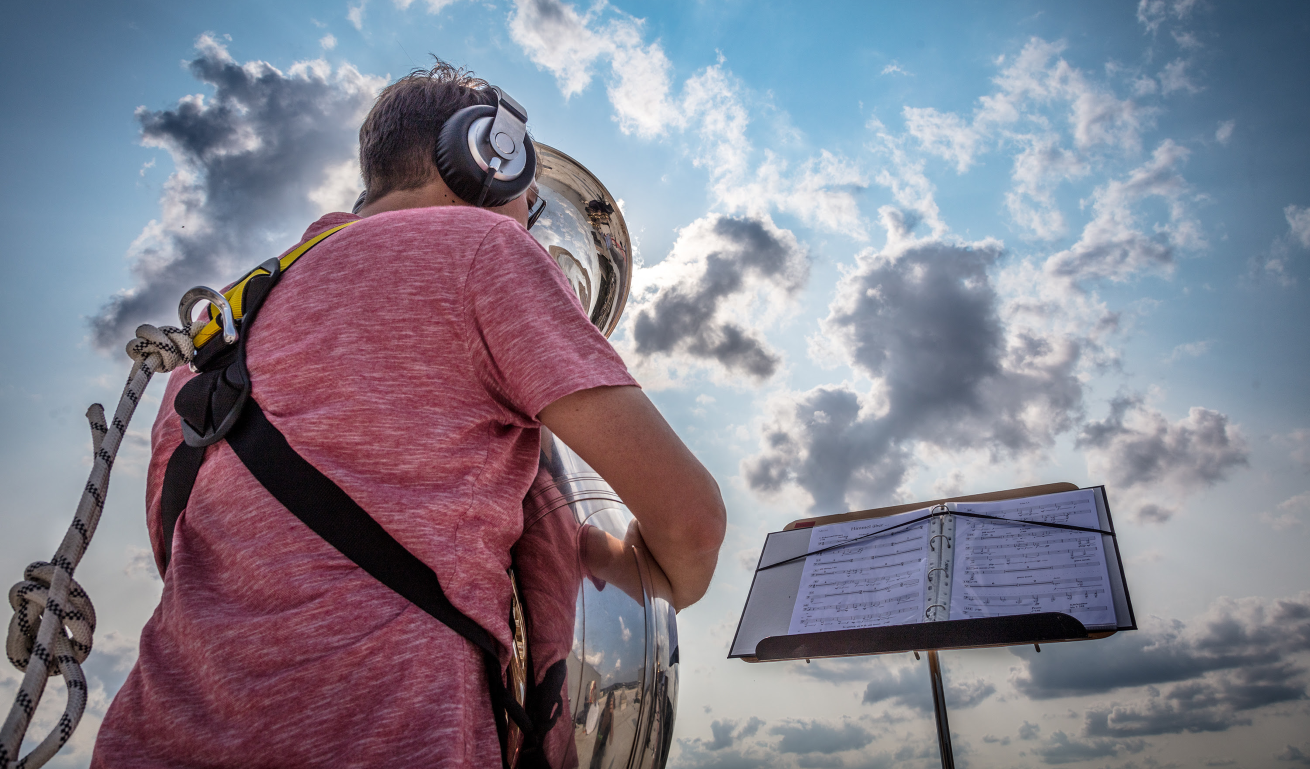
1298	221
1145	86
712	95
556	36
433	6
943	134
340	187
355	14
1112	245
1174	78
328	41
1035	86
1096	117
1189	350
1038	169
141	563
640	94
1186	40
1153	13
1224	133
821	190
894	69
569	44
1298	445
909	186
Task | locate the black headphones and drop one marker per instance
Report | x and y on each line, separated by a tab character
484	153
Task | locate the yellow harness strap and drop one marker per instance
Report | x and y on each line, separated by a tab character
235	294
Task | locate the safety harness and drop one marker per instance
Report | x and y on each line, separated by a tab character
217	404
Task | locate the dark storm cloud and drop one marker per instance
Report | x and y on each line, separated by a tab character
1063	749
1138	448
722	731
909	687
821	441
904	686
1294	755
1201	705
726	733
697	754
818	737
246	160
926	324
819	761
1237	657
714	261
1247	633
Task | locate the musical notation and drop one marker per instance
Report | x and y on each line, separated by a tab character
872	583
1004	569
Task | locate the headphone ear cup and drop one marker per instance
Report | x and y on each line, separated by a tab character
461	171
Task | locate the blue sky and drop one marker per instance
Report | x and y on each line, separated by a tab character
979	245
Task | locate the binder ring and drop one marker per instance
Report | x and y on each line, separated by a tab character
937	536
930	608
930	571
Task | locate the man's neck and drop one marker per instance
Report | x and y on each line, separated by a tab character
434	193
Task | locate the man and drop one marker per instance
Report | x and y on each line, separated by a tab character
411	358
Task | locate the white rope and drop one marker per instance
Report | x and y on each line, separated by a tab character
50	633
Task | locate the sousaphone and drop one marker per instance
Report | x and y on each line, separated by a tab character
613	626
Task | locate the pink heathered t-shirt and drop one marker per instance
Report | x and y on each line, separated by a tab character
406	357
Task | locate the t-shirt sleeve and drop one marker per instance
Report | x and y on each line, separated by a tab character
530	340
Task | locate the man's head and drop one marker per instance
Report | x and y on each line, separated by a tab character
398	141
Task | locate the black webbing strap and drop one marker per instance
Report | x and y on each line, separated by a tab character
322	506
328	511
179	479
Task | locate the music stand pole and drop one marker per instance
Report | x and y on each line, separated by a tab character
939	706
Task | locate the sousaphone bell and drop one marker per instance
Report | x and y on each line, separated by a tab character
613	626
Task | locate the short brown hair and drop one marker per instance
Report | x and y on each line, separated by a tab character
398	140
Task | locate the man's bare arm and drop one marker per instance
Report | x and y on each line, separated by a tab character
620	433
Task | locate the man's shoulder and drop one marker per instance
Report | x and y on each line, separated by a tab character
462	220
441	239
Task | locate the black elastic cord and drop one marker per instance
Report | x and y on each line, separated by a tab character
486	185
922	518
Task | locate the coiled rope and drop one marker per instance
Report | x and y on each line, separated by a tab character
50	633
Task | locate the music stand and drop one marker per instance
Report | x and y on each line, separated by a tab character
762	632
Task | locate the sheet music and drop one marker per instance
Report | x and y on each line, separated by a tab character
872	583
1005	569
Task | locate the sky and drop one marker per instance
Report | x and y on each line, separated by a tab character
889	252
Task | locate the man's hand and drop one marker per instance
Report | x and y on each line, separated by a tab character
620	433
